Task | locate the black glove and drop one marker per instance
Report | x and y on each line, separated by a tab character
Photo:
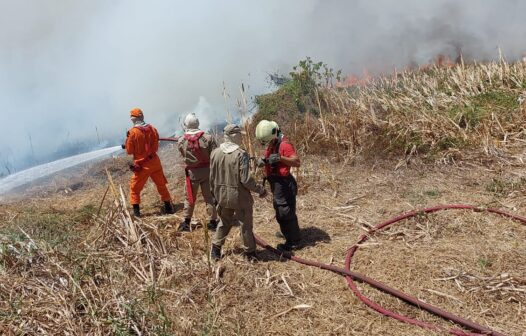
274	158
135	167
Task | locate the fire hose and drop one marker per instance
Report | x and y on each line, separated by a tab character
351	276
188	183
170	139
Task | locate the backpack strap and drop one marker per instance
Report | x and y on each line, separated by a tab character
194	146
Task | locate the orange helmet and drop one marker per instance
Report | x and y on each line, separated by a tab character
136	112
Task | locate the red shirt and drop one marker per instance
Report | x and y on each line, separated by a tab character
285	149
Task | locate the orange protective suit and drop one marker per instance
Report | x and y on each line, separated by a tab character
143	144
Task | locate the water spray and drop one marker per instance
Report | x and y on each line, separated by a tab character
28	175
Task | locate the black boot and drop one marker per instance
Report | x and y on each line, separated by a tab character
136	210
290	246
215	252
168	208
185	225
251	256
212	225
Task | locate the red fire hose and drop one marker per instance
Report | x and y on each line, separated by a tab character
351	276
169	139
188	182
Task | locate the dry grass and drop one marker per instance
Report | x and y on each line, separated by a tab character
109	274
74	262
435	111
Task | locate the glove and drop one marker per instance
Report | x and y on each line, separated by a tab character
274	158
263	194
261	162
123	146
135	167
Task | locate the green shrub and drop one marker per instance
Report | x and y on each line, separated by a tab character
296	95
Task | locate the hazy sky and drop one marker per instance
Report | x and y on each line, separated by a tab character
67	67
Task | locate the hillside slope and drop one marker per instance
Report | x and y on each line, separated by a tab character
443	113
70	263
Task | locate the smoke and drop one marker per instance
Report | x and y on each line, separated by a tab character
71	70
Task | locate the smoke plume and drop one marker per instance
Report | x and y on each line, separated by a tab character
71	70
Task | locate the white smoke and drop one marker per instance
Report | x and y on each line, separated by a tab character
69	67
208	116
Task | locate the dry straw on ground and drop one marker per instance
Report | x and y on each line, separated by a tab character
68	268
122	276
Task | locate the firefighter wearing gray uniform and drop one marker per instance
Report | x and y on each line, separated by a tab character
232	185
195	147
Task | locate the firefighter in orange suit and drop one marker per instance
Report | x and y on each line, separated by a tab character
142	142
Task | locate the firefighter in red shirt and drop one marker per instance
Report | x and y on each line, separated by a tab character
142	141
279	157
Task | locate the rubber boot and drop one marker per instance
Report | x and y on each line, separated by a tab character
212	225
251	256
215	252
289	246
168	208
136	210
184	226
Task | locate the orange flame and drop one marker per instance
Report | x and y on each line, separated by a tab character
364	79
442	61
354	80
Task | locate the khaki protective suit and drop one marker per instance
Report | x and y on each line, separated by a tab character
197	170
231	184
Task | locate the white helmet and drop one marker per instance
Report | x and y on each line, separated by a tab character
266	131
191	121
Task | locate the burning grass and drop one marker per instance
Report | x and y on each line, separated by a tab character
436	111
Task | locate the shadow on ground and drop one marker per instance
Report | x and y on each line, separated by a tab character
312	235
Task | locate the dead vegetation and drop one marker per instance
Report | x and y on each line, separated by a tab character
108	274
76	263
445	113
